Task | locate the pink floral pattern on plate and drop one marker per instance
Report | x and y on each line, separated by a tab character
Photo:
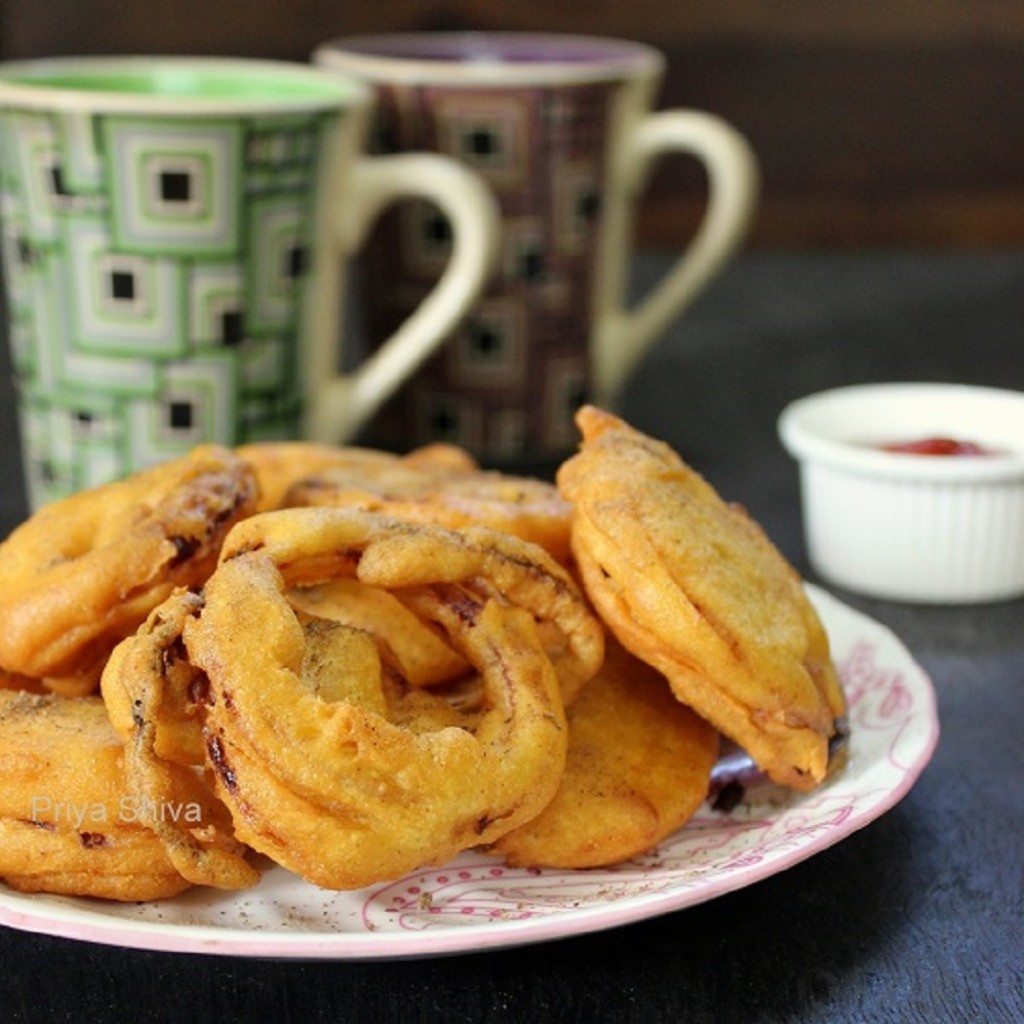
476	902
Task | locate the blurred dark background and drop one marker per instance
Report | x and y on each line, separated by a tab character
878	123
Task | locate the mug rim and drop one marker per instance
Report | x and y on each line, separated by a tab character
76	84
495	58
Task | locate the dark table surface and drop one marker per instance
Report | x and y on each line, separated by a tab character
916	917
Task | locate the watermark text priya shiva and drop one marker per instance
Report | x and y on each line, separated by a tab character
129	810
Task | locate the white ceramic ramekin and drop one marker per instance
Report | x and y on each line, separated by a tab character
932	529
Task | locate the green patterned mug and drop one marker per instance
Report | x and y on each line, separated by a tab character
176	237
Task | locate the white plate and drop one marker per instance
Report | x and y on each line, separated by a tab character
477	903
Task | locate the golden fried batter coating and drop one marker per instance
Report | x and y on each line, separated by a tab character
316	774
416	650
69	821
692	586
280	465
638	767
434	486
394	664
155	656
313	545
85	571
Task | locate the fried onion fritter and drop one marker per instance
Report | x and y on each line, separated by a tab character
318	777
638	767
691	585
85	571
418	652
280	465
315	544
70	822
430	486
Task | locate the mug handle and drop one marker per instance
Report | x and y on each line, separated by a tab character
623	335
338	404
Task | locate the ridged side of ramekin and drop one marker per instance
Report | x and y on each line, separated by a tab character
927	529
922	541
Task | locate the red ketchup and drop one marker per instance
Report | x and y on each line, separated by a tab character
937	446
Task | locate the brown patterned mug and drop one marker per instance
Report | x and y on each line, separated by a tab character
561	129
